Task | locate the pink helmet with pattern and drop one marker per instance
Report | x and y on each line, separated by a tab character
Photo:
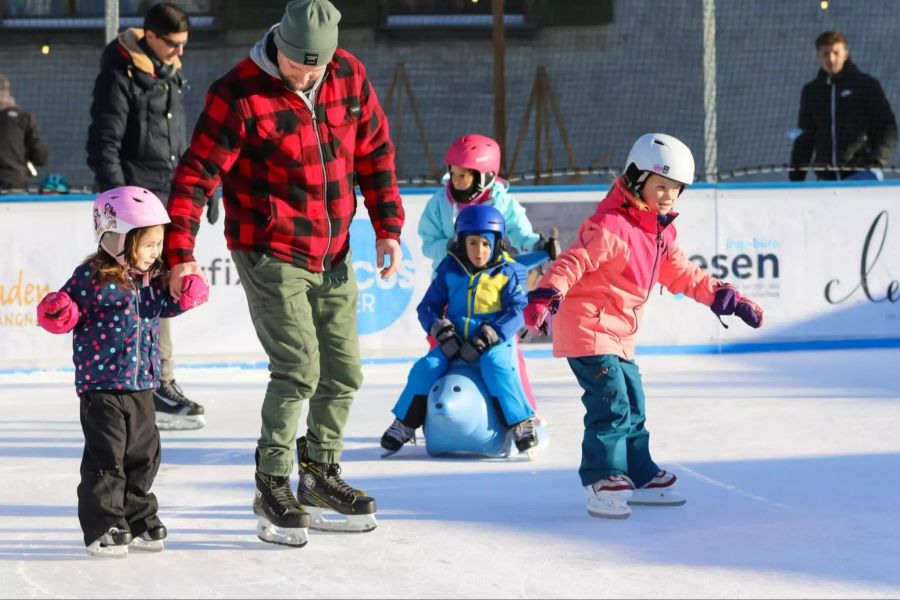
119	210
477	153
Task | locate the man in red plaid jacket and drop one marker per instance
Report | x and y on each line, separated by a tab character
288	131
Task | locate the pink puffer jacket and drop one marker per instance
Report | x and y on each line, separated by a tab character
606	277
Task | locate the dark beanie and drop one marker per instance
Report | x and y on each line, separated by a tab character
308	32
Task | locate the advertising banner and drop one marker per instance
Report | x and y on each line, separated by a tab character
824	262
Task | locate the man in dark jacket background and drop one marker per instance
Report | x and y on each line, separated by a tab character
20	142
846	128
136	136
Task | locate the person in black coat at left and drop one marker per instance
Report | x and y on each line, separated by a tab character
21	142
136	137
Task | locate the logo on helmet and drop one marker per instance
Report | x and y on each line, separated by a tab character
664	169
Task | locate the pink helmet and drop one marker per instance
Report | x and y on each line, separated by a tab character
119	210
477	152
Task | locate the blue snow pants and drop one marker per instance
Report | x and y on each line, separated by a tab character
499	369
615	439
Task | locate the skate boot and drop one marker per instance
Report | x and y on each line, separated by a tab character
658	492
112	544
280	520
174	410
322	489
525	437
395	436
608	498
151	540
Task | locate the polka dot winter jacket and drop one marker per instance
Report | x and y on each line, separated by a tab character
116	340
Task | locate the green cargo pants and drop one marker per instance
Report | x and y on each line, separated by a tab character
306	323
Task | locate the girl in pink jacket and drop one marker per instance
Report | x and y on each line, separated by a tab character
597	289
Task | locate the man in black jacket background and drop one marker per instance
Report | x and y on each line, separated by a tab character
136	137
846	128
20	142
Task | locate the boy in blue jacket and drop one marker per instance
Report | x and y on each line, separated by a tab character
473	308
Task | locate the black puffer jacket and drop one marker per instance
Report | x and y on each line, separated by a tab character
137	132
20	142
853	105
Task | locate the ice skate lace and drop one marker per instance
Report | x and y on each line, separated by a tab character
401	432
340	486
281	492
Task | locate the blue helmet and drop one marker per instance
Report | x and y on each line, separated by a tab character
480	219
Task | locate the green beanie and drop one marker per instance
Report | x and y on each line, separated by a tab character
308	32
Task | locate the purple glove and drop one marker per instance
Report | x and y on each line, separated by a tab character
728	301
194	292
542	303
57	313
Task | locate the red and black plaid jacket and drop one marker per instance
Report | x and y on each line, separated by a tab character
287	177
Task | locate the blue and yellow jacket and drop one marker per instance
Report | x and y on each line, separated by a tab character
495	294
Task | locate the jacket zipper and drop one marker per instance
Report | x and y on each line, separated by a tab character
315	121
470	299
138	340
658	252
834	160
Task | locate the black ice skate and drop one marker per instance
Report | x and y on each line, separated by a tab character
395	436
322	489
280	520
112	544
174	410
151	540
524	435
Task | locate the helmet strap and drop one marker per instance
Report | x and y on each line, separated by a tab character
114	244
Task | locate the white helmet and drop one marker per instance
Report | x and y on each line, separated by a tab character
661	154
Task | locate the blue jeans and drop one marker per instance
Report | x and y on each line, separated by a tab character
499	369
615	439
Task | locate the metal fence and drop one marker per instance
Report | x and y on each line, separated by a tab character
583	78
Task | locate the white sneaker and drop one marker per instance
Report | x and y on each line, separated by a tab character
608	498
658	492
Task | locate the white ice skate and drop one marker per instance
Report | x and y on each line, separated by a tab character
142	544
608	498
150	541
658	492
112	544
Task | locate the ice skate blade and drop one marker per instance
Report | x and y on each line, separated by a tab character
656	498
139	544
609	515
344	524
283	536
166	422
95	549
389	453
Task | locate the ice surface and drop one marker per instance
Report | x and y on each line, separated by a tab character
789	461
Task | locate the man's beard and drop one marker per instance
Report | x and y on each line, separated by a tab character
292	84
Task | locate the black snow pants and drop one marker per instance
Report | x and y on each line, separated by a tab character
120	462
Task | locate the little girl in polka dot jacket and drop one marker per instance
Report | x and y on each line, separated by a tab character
113	303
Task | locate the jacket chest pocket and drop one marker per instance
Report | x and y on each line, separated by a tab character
279	138
341	124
